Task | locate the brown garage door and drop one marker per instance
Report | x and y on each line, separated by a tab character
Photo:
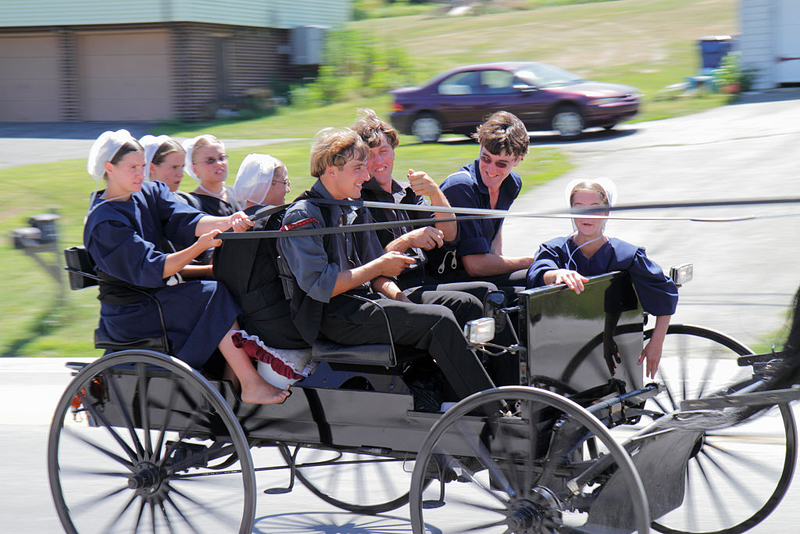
29	78
125	76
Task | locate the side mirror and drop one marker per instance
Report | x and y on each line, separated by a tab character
493	304
681	274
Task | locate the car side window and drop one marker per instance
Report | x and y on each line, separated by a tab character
497	82
462	83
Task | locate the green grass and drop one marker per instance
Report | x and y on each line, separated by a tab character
37	322
650	44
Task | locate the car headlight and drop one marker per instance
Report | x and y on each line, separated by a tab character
479	331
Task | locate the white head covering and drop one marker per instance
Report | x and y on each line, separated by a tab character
188	146
103	150
607	185
255	178
150	143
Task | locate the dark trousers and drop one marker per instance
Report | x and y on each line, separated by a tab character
464	300
426	327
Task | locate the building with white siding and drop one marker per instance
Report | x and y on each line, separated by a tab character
770	41
86	60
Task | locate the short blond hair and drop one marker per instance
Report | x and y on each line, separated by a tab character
372	128
335	147
206	140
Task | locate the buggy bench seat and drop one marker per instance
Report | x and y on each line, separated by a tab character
375	354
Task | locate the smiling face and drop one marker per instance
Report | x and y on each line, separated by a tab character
210	164
126	176
380	164
496	168
170	171
346	182
588	228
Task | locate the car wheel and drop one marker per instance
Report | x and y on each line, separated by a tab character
609	127
426	128
567	121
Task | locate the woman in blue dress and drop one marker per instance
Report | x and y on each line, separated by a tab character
588	252
124	231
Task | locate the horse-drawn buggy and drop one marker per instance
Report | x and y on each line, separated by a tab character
142	442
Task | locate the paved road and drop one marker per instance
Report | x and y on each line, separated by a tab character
745	272
745	276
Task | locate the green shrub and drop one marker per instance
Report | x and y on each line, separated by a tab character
731	74
354	65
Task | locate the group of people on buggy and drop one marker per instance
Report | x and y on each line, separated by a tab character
270	299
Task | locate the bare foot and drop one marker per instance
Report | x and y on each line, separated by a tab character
262	392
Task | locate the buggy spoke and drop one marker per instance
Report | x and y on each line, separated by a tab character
110	527
101	449
708	371
180	513
670	395
163	430
123	409
166	516
736	483
94	501
721	509
763	468
216	513
100	418
139	515
144	413
488	525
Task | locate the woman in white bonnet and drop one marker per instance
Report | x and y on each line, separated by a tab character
588	252
262	180
207	162
124	231
249	267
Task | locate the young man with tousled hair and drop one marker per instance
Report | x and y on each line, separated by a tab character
338	279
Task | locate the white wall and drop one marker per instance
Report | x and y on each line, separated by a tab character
770	30
259	13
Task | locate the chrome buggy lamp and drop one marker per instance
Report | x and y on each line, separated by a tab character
479	331
681	274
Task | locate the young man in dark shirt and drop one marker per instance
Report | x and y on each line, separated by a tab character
341	280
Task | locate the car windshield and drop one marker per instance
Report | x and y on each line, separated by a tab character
543	75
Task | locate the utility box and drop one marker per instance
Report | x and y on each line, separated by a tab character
712	50
308	44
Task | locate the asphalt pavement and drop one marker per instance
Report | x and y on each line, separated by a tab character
745	271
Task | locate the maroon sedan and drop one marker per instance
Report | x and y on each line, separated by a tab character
542	96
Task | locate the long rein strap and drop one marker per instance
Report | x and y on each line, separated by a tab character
467	214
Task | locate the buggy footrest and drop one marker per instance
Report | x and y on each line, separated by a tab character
147	343
376	354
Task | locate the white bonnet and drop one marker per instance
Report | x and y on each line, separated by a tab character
150	143
607	185
104	149
255	178
188	146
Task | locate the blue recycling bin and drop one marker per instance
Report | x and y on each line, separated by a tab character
712	50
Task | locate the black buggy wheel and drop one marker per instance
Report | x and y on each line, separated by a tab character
140	442
530	471
696	363
357	482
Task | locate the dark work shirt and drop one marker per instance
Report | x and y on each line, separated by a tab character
312	268
465	189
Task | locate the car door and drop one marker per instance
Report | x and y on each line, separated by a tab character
459	101
505	91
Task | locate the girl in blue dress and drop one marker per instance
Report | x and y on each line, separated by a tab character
588	252
124	231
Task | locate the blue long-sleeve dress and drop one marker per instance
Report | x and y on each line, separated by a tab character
657	293
124	238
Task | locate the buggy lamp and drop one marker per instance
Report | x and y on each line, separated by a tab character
681	274
479	331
